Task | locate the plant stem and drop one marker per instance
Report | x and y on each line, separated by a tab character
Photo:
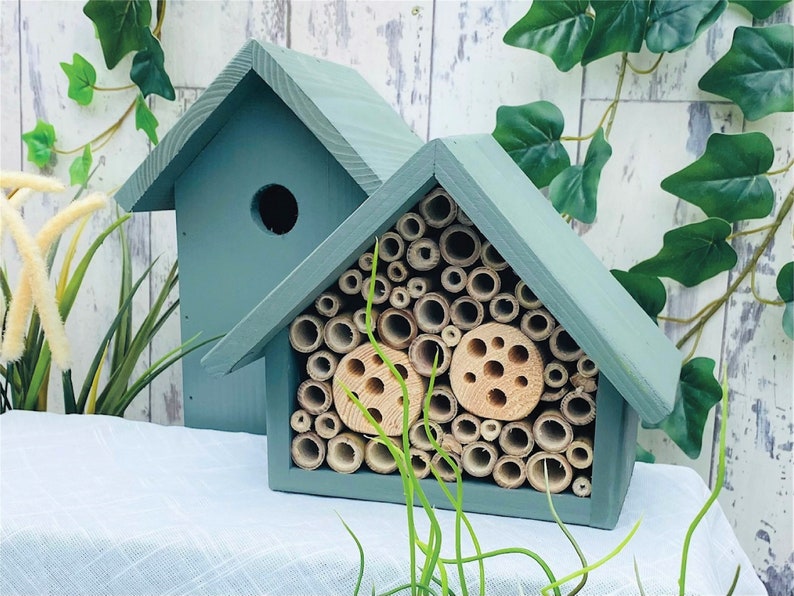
760	298
646	71
748	268
782	170
108	132
624	59
158	27
122	88
748	232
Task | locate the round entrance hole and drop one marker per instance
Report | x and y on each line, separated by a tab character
275	208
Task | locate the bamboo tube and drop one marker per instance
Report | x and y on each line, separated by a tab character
503	308
466	313
490	257
516	438
443	406
560	473
345	452
382	289
328	424
552	395
438	209
537	324
587	384
418	436
397	272
422	352
526	298
453	279
423	254
420	462
563	346
300	421
350	282
509	471
306	333
399	297
360	319
496	372
308	451
451	335
321	365
411	226
483	284
463	219
328	304
314	396
431	312
450	444
586	367
466	428
418	286
555	375
397	328
479	459
578	408
490	429
378	457
552	432
581	486
341	335
580	453
459	245
365	375
442	467
365	262
391	247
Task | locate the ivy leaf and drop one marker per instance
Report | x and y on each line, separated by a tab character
698	392
648	291
40	142
757	71
575	190
531	136
619	27
643	455
82	78
120	25
145	120
78	171
148	69
560	30
760	9
785	288
692	253
675	24
728	181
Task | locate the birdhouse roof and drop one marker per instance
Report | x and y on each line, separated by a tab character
522	225
355	124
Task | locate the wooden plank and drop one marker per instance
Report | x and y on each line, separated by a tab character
10	48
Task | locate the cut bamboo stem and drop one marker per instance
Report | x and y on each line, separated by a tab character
552	432
423	254
365	262
315	396
345	452
451	335
418	286
459	245
509	471
328	424
526	298
350	282
578	408
341	335
580	453
503	308
382	289
559	470
537	324
321	365
360	319
483	284
399	297
306	333
308	451
587	384
438	209
581	486
422	352
328	304
418	437
490	429
490	257
586	367
443	406
466	313
420	462
453	279
450	444
444	470
516	438
397	272
411	226
563	346
479	459
301	421
463	218
378	457
466	428
555	375
552	395
397	328
391	247
431	312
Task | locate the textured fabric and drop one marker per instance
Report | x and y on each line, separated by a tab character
100	505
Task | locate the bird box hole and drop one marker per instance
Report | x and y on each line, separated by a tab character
275	208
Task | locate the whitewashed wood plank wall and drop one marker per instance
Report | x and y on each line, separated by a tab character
442	65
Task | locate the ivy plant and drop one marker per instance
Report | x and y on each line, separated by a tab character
729	183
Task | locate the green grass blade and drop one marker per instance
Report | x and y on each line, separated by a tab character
512	551
41	372
69	405
735	581
637	577
360	555
122	337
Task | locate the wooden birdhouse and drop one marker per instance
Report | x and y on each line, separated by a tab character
267	163
543	357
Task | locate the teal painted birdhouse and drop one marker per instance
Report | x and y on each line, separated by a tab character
269	161
543	360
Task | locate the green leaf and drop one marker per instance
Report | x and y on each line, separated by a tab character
619	27
760	9
643	455
40	142
648	291
82	78
531	136
698	392
120	25
559	30
78	171
728	181
148	69
692	253
785	288
574	190
145	120
788	319
675	24
757	72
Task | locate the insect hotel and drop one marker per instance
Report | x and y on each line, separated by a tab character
543	358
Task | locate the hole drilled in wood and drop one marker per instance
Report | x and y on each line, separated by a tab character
497	343
470	377
402	370
374	385
518	354
276	208
496	398
521	381
355	367
493	369
476	347
376	415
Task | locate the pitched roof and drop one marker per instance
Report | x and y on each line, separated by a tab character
521	224
363	133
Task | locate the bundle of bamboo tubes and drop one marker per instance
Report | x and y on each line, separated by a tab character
513	393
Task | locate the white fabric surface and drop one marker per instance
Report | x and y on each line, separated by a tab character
100	505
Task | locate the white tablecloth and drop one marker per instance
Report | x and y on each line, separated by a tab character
100	505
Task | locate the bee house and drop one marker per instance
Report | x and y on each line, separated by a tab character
542	357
